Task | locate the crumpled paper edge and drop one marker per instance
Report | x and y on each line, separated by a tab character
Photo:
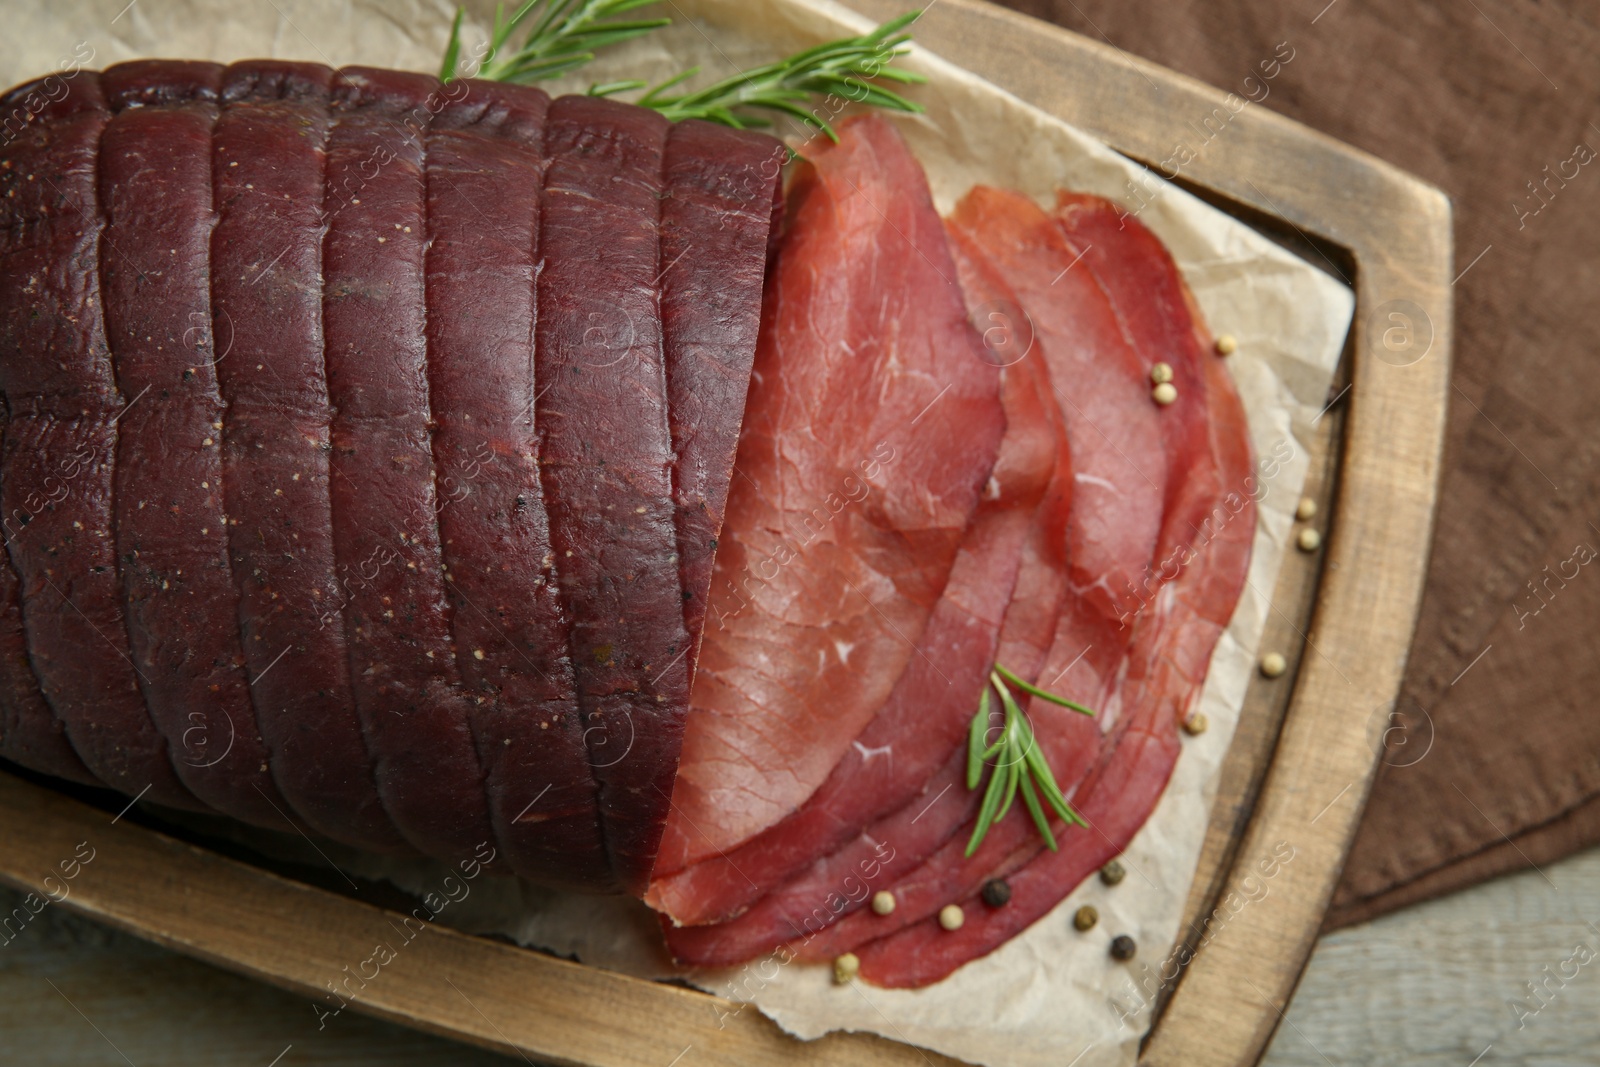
1051	994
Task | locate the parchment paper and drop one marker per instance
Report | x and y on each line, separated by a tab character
1052	994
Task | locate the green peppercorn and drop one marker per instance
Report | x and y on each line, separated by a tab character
1112	873
1085	918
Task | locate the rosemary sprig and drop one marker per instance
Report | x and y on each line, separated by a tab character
562	35
842	70
1019	766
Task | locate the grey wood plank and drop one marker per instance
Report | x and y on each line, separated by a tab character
1508	971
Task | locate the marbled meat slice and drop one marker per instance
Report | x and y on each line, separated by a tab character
269	152
169	523
1175	635
926	715
385	524
484	162
1153	315
56	471
822	908
606	458
724	197
871	428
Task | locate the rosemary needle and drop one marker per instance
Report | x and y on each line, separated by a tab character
842	71
562	35
1018	764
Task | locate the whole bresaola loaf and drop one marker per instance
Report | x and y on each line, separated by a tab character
365	446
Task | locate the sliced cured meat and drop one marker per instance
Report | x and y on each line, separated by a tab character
1103	386
265	343
724	196
872	424
30	734
1020	243
1174	639
982	611
484	159
1071	744
606	458
170	529
56	471
386	542
1131	266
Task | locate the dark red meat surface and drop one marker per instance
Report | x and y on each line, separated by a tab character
171	529
510	636
345	478
265	340
56	476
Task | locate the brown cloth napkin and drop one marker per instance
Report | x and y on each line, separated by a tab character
1495	101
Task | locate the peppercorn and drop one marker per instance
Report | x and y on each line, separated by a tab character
1306	510
883	902
1273	664
1164	394
1196	724
1085	917
951	916
1226	345
1123	947
1161	373
846	967
1112	873
1309	540
996	893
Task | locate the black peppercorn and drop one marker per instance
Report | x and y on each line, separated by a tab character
1123	947
996	893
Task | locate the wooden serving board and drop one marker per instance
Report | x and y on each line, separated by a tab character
1299	767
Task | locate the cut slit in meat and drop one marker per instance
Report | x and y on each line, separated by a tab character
724	199
396	611
268	159
483	147
171	530
925	717
872	423
606	457
59	443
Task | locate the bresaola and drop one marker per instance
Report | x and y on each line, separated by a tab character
384	434
339	456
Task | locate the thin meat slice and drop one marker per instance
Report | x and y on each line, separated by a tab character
1071	744
484	160
265	344
872	425
170	528
1087	661
1131	266
56	470
1062	641
386	543
606	457
724	197
1171	653
1103	386
926	716
30	733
